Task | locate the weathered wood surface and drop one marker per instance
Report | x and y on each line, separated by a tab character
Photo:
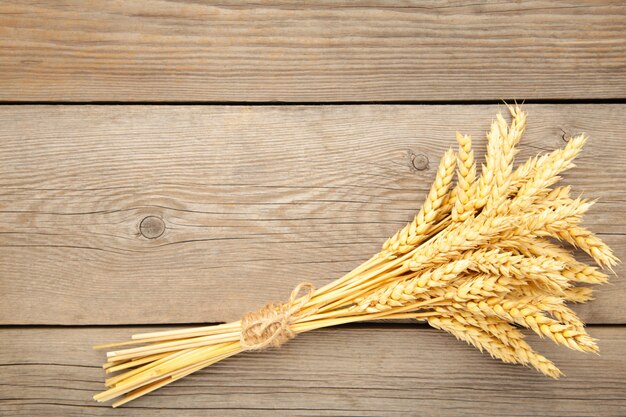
381	50
254	200
342	372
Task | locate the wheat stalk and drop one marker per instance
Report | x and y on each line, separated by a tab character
476	261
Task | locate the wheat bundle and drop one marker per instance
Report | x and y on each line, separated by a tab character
480	260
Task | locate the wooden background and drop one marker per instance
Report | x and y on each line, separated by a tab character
165	163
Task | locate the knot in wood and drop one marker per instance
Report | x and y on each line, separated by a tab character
270	326
419	161
152	227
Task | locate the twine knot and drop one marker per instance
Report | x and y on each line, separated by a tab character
270	326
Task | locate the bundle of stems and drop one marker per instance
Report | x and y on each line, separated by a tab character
480	260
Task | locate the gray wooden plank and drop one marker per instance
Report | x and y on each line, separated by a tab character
150	50
363	370
254	200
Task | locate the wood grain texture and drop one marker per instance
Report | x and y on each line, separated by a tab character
365	371
254	200
157	50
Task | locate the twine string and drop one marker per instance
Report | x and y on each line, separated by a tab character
270	326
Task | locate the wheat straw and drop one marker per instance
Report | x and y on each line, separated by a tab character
478	259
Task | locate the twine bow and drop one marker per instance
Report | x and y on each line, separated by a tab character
270	326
